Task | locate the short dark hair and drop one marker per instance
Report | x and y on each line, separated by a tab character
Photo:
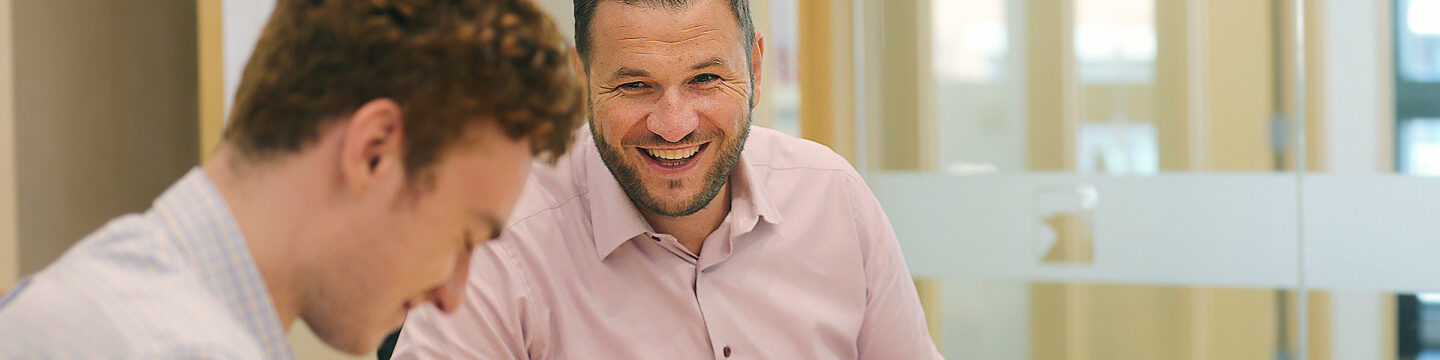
449	65
585	14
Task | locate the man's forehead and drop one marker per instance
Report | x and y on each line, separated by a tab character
616	20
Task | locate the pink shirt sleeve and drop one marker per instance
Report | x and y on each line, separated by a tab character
491	323
894	322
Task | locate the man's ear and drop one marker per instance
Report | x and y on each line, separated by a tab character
372	146
577	65
757	60
582	75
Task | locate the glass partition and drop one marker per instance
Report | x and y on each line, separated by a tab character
1098	179
1134	179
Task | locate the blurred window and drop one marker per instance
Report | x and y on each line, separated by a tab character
1114	44
781	46
1417	86
1115	41
1419	40
1419	141
970	40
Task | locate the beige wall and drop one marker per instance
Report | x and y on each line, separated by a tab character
9	245
105	114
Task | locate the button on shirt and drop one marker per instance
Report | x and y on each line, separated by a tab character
805	266
176	282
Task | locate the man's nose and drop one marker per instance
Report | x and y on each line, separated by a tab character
673	118
448	296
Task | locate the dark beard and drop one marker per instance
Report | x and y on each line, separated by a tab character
715	178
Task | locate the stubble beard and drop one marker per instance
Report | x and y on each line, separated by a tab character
715	178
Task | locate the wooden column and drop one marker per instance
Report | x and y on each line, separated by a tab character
826	74
210	32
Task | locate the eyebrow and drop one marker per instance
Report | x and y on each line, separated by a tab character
708	63
624	72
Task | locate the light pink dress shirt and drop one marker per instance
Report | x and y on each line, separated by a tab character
805	266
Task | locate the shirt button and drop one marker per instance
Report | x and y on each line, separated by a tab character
727	351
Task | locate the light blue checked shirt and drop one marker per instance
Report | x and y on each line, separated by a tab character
176	282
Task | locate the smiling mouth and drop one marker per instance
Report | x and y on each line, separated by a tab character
673	157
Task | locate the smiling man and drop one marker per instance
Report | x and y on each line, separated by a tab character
676	230
373	145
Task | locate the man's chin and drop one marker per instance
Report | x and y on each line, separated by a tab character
682	203
353	342
358	347
671	210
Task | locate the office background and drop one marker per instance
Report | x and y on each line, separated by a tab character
1070	179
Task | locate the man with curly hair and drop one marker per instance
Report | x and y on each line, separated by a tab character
373	145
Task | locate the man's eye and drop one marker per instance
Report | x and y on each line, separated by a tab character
704	78
634	85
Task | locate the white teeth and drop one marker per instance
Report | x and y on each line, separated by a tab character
674	154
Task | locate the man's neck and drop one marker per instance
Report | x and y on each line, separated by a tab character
268	217
691	230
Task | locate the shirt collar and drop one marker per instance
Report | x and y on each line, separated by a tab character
206	231
615	219
751	195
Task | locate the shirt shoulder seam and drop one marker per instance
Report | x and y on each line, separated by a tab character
772	167
550	208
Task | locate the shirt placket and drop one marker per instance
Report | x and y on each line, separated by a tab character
714	253
716	249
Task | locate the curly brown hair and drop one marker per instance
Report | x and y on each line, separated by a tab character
449	64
